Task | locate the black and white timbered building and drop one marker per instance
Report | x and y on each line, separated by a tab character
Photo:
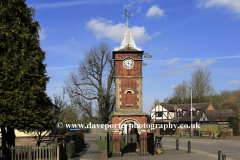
181	114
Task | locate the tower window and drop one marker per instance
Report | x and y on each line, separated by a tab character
129	99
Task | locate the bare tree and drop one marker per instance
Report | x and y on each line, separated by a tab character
156	102
166	100
181	93
201	84
85	107
94	81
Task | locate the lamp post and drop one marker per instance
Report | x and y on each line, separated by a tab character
191	111
146	55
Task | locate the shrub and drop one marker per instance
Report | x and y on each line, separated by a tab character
234	124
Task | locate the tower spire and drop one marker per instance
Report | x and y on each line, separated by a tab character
127	38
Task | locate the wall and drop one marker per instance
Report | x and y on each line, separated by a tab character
215	128
22	134
25	141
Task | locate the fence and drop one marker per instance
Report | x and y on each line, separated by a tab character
30	153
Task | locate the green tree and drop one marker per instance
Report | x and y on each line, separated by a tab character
24	104
166	100
148	119
69	115
234	124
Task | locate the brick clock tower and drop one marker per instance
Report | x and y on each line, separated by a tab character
128	89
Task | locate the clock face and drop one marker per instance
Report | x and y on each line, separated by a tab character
128	63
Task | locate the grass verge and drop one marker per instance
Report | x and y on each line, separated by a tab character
102	144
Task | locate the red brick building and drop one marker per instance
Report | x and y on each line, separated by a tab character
128	89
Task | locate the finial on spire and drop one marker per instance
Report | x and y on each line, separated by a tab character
128	14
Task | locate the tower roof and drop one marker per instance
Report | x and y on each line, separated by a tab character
127	41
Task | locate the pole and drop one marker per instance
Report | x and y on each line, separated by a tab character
191	111
177	144
108	145
224	157
219	155
189	146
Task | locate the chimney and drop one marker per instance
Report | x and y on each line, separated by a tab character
175	108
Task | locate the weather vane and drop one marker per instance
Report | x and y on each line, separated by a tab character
128	14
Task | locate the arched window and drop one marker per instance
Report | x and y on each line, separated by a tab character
129	98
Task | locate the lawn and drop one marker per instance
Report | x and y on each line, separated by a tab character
102	144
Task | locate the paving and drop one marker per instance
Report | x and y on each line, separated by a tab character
170	154
89	152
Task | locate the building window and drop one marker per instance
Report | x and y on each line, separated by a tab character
193	110
158	114
184	112
193	113
198	110
179	114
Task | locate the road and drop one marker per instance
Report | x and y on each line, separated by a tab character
95	136
210	147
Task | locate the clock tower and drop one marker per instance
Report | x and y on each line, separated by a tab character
128	88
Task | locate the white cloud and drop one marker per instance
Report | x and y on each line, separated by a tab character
128	5
72	40
189	59
164	50
139	9
199	63
42	34
64	4
232	82
80	2
155	34
173	86
232	6
172	61
155	11
174	72
104	28
136	1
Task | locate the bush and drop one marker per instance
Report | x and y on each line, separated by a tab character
79	134
234	124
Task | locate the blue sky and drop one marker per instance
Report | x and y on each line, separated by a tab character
181	35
